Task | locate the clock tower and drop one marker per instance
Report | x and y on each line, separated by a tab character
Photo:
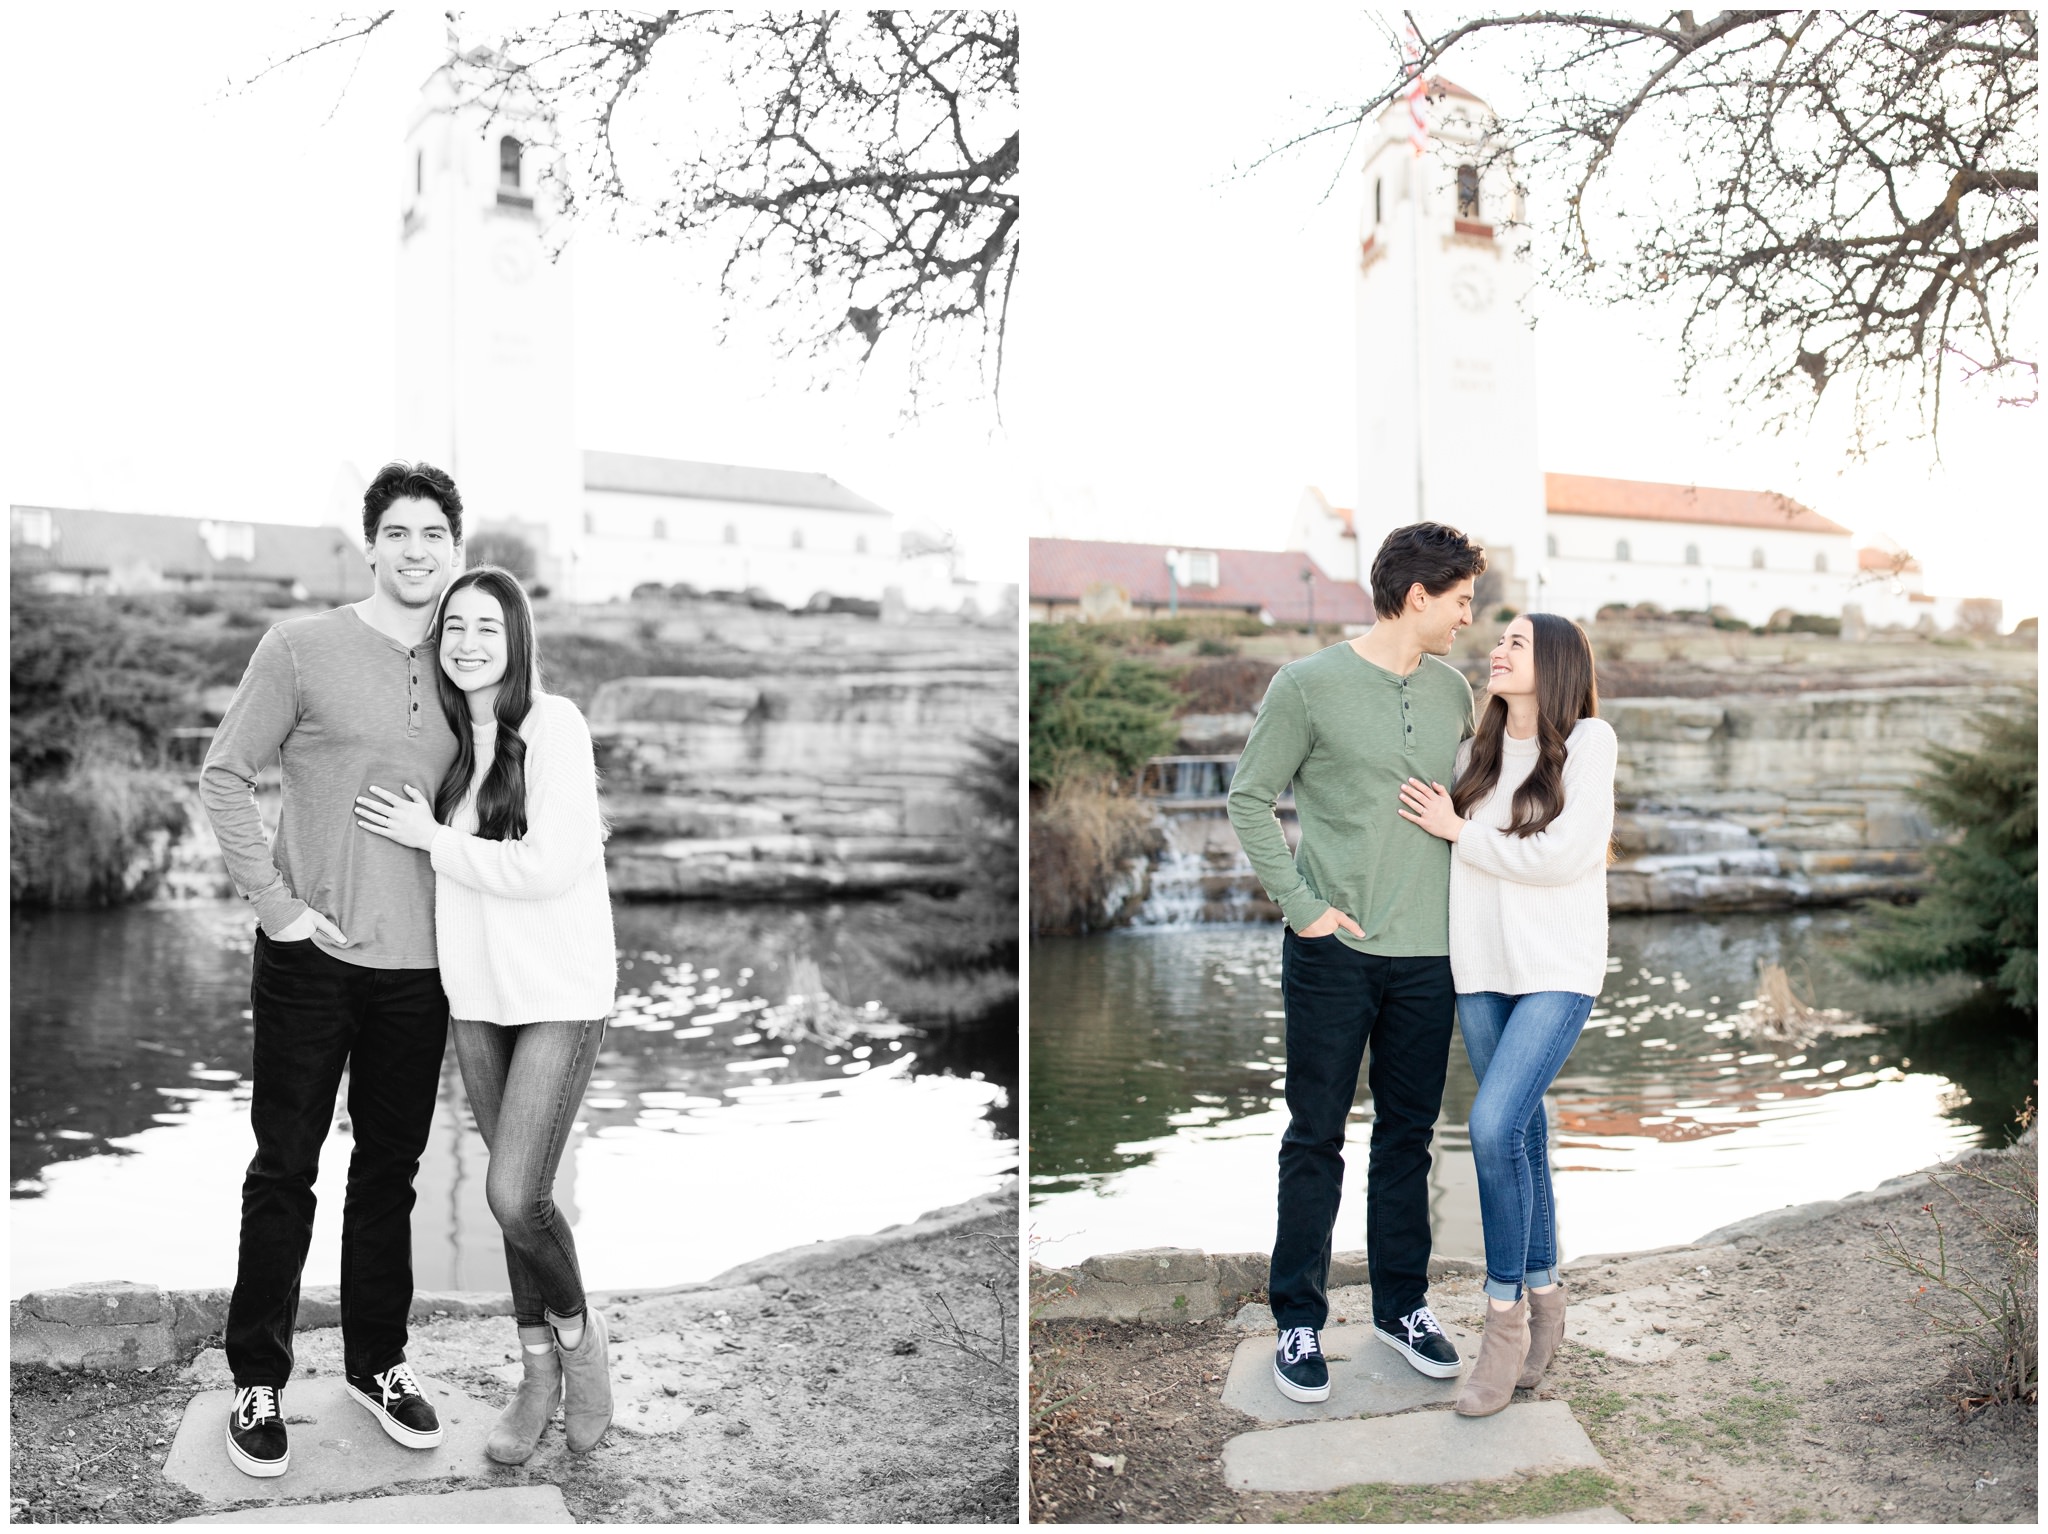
1446	364
486	386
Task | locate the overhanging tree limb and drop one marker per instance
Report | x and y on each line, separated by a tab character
1826	199
859	168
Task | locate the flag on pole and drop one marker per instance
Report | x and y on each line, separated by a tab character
1418	89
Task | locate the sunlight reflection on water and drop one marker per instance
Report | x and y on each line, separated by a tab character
1158	1065
702	1142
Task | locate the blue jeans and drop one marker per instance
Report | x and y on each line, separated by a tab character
1517	1045
524	1085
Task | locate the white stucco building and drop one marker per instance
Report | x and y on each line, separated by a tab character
1447	415
1688	546
486	371
1446	365
1629	541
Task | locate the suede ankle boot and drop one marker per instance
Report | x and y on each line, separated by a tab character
586	1381
1546	1331
517	1432
1491	1383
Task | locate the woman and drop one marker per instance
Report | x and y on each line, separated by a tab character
523	922
1529	822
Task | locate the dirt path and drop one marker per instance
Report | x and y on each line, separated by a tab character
868	1380
1779	1377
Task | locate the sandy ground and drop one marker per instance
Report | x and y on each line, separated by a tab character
872	1380
1777	1379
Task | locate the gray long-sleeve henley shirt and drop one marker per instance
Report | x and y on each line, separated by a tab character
341	706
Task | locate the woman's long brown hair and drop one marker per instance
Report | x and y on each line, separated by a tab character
1565	694
501	797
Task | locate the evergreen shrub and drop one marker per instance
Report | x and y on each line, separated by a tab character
1979	917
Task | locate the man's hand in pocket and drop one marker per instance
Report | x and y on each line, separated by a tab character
309	923
1329	922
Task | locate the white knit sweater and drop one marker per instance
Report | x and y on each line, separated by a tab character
524	927
1529	913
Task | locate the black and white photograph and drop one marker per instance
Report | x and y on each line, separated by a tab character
514	679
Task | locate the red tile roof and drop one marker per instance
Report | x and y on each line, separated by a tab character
1248	580
1882	559
1585	495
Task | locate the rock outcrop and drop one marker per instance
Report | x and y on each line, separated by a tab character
803	756
792	783
1753	802
1737	802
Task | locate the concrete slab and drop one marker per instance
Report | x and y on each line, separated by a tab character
1367	1378
500	1504
337	1449
1583	1515
1427	1448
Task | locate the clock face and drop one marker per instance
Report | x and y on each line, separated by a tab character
512	261
1470	289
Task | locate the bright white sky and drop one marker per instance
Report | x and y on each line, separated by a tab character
202	292
202	282
1185	338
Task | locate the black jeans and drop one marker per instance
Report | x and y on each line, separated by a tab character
1341	1004
315	1014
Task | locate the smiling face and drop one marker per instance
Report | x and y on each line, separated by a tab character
1439	619
473	645
1513	668
414	555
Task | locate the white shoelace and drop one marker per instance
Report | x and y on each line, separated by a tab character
1300	1342
1420	1323
396	1382
253	1403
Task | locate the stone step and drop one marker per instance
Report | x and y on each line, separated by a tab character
498	1504
337	1448
1581	1515
1423	1448
1367	1378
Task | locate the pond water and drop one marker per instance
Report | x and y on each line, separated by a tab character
1157	1065
703	1141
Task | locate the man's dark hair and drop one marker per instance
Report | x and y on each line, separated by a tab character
1428	552
399	481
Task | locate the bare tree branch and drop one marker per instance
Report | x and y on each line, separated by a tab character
858	168
343	29
1824	198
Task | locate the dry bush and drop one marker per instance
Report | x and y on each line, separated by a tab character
1990	1307
1232	685
1083	835
96	835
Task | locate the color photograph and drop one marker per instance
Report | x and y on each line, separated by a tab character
1532	674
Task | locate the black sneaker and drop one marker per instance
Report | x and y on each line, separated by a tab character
257	1442
395	1399
1298	1365
1418	1338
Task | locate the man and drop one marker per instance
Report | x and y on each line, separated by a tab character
345	973
1365	961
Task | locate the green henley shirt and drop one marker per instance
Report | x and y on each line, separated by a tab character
1347	734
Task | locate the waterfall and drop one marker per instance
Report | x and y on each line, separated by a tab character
1200	874
1174	897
